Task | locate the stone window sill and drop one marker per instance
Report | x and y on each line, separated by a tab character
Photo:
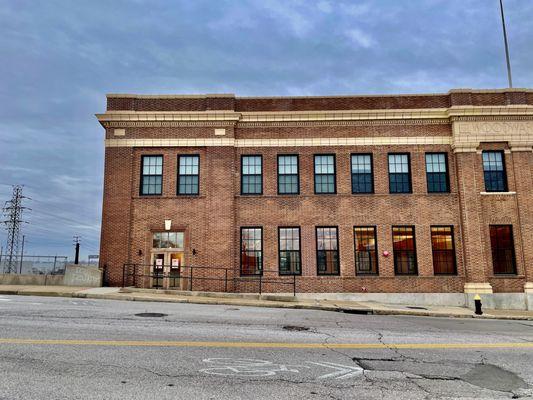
497	193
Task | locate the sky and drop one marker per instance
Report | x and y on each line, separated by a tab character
58	59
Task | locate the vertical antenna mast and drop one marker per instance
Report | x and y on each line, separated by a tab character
506	47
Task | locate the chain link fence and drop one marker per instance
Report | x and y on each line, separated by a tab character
36	265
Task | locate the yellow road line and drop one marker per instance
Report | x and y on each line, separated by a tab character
266	345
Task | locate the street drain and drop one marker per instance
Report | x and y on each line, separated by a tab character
295	328
151	315
416	308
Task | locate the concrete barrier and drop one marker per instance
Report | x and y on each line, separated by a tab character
82	275
37	280
75	275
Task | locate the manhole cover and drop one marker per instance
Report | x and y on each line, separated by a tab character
416	308
295	328
151	315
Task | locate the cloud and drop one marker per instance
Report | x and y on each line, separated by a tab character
60	57
360	38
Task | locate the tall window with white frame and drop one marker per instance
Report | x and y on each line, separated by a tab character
325	180
251	251
362	174
365	244
251	174
290	260
494	171
502	246
188	174
151	175
288	178
399	173
437	173
404	249
327	250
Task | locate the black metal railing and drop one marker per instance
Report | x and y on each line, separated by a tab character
184	277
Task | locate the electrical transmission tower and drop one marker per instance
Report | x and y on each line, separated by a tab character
13	213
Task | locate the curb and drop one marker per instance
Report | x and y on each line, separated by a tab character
195	299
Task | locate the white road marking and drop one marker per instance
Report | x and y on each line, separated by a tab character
247	367
343	371
2	299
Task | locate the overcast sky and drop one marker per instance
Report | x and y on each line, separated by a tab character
58	59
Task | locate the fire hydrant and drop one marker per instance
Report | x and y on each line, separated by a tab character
477	303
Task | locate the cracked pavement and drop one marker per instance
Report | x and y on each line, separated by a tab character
81	371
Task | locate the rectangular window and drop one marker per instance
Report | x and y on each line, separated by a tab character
188	174
251	175
365	244
251	251
289	251
437	173
399	173
327	251
443	250
403	239
288	179
151	175
168	240
502	246
494	171
362	179
325	181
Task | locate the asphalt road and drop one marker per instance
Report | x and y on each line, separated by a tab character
62	348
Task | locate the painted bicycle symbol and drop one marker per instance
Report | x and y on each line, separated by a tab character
246	367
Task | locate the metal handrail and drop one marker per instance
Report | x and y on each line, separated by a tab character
154	274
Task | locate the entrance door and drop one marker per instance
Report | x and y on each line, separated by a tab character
168	265
176	265
158	263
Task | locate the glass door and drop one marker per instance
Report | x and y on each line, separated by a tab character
158	262
176	264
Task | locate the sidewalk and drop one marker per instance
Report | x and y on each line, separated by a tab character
255	300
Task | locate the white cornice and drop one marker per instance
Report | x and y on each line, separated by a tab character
301	142
341	115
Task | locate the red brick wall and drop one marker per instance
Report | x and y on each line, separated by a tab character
212	220
318	103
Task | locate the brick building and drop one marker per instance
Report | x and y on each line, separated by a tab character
419	198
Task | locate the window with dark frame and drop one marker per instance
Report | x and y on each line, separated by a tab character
399	173
494	171
365	244
290	260
151	175
502	246
327	251
252	174
437	173
362	174
188	174
404	249
325	180
251	251
443	250
288	178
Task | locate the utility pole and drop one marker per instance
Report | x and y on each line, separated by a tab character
13	213
77	245
510	79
